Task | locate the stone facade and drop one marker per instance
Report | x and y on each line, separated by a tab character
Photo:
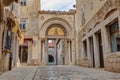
38	23
96	33
10	36
90	34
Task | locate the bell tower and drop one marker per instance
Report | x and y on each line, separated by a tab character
38	4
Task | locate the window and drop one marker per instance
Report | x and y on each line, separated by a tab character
114	37
23	24
23	2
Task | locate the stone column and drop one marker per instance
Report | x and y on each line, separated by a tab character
29	53
105	40
77	50
17	51
69	55
66	52
73	52
88	50
96	51
43	53
82	50
40	51
13	47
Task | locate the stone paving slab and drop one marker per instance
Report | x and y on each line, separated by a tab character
20	73
73	73
58	73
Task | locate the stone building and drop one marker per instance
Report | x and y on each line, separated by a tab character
98	34
10	36
42	29
87	37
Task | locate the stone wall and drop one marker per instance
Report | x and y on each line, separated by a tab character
85	62
112	62
38	21
106	15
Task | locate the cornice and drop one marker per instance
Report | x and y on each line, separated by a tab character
70	12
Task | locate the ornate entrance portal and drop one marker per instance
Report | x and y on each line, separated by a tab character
55	37
56	42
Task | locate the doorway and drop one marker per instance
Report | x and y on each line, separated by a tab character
23	54
56	37
101	57
51	58
51	52
92	52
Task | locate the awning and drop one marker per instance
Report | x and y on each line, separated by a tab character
28	40
8	2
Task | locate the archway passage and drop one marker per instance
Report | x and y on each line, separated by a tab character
51	58
55	40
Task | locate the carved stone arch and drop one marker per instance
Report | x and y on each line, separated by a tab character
52	21
57	26
97	23
89	29
110	13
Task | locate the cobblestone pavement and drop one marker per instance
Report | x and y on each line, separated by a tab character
73	73
20	73
58	73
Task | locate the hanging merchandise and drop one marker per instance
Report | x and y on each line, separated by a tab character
8	35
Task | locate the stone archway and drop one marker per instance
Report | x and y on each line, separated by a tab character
55	36
51	21
59	31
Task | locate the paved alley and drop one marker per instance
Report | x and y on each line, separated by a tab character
58	73
73	73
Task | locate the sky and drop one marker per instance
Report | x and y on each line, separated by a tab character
58	5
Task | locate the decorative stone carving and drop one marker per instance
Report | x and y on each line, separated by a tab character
60	21
110	13
58	12
42	18
101	14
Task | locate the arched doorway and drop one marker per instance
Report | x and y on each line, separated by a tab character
51	58
56	35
